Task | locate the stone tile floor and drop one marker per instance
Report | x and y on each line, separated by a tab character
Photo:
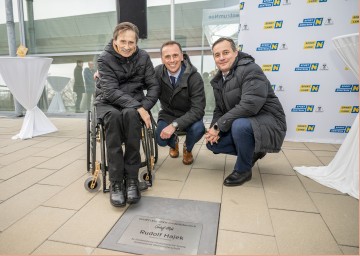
44	208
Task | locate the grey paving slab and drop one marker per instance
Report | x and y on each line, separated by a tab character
312	186
97	217
203	185
20	166
208	160
245	209
54	248
62	160
23	203
300	157
15	145
287	192
66	175
348	250
275	163
6	159
341	214
32	230
302	233
22	181
320	146
237	243
79	196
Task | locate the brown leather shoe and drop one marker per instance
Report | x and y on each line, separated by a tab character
187	156
174	152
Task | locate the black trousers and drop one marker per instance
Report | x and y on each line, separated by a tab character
79	96
122	126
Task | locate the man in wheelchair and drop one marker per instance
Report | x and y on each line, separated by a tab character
124	72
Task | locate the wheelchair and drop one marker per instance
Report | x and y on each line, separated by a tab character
95	141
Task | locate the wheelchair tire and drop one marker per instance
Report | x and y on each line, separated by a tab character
93	134
144	177
156	150
87	184
88	136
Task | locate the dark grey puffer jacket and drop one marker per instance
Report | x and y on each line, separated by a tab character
122	80
246	92
186	103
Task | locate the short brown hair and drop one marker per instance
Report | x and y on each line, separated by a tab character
170	43
124	26
221	39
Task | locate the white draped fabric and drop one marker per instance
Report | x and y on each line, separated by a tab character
25	77
58	83
342	173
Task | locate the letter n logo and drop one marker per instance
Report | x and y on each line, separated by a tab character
315	88
276	67
278	24
318	21
355	88
319	44
309	108
310	128
277	2
314	66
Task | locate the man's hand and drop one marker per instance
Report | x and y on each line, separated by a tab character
167	132
145	116
212	136
96	75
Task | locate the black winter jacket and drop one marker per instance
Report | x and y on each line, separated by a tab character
78	80
122	80
186	103
247	93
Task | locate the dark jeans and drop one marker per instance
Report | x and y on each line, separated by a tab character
193	134
121	126
239	141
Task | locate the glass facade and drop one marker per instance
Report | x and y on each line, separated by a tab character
85	27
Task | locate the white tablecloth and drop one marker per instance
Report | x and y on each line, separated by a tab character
58	83
25	77
342	173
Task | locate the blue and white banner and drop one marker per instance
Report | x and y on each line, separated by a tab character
291	41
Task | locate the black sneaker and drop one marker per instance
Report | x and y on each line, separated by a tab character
117	194
133	193
257	156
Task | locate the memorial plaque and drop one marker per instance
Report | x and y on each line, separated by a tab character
173	237
166	226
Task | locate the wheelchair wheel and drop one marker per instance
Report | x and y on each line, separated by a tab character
91	129
88	136
153	138
88	183
148	148
94	131
145	177
104	164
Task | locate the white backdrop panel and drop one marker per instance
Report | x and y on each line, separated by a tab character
291	41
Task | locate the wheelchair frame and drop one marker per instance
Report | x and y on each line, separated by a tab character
96	134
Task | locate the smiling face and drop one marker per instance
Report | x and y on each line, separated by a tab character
171	57
224	56
126	43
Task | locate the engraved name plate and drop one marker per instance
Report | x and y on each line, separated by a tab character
166	236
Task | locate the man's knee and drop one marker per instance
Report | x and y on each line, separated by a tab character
198	128
130	114
241	125
112	116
